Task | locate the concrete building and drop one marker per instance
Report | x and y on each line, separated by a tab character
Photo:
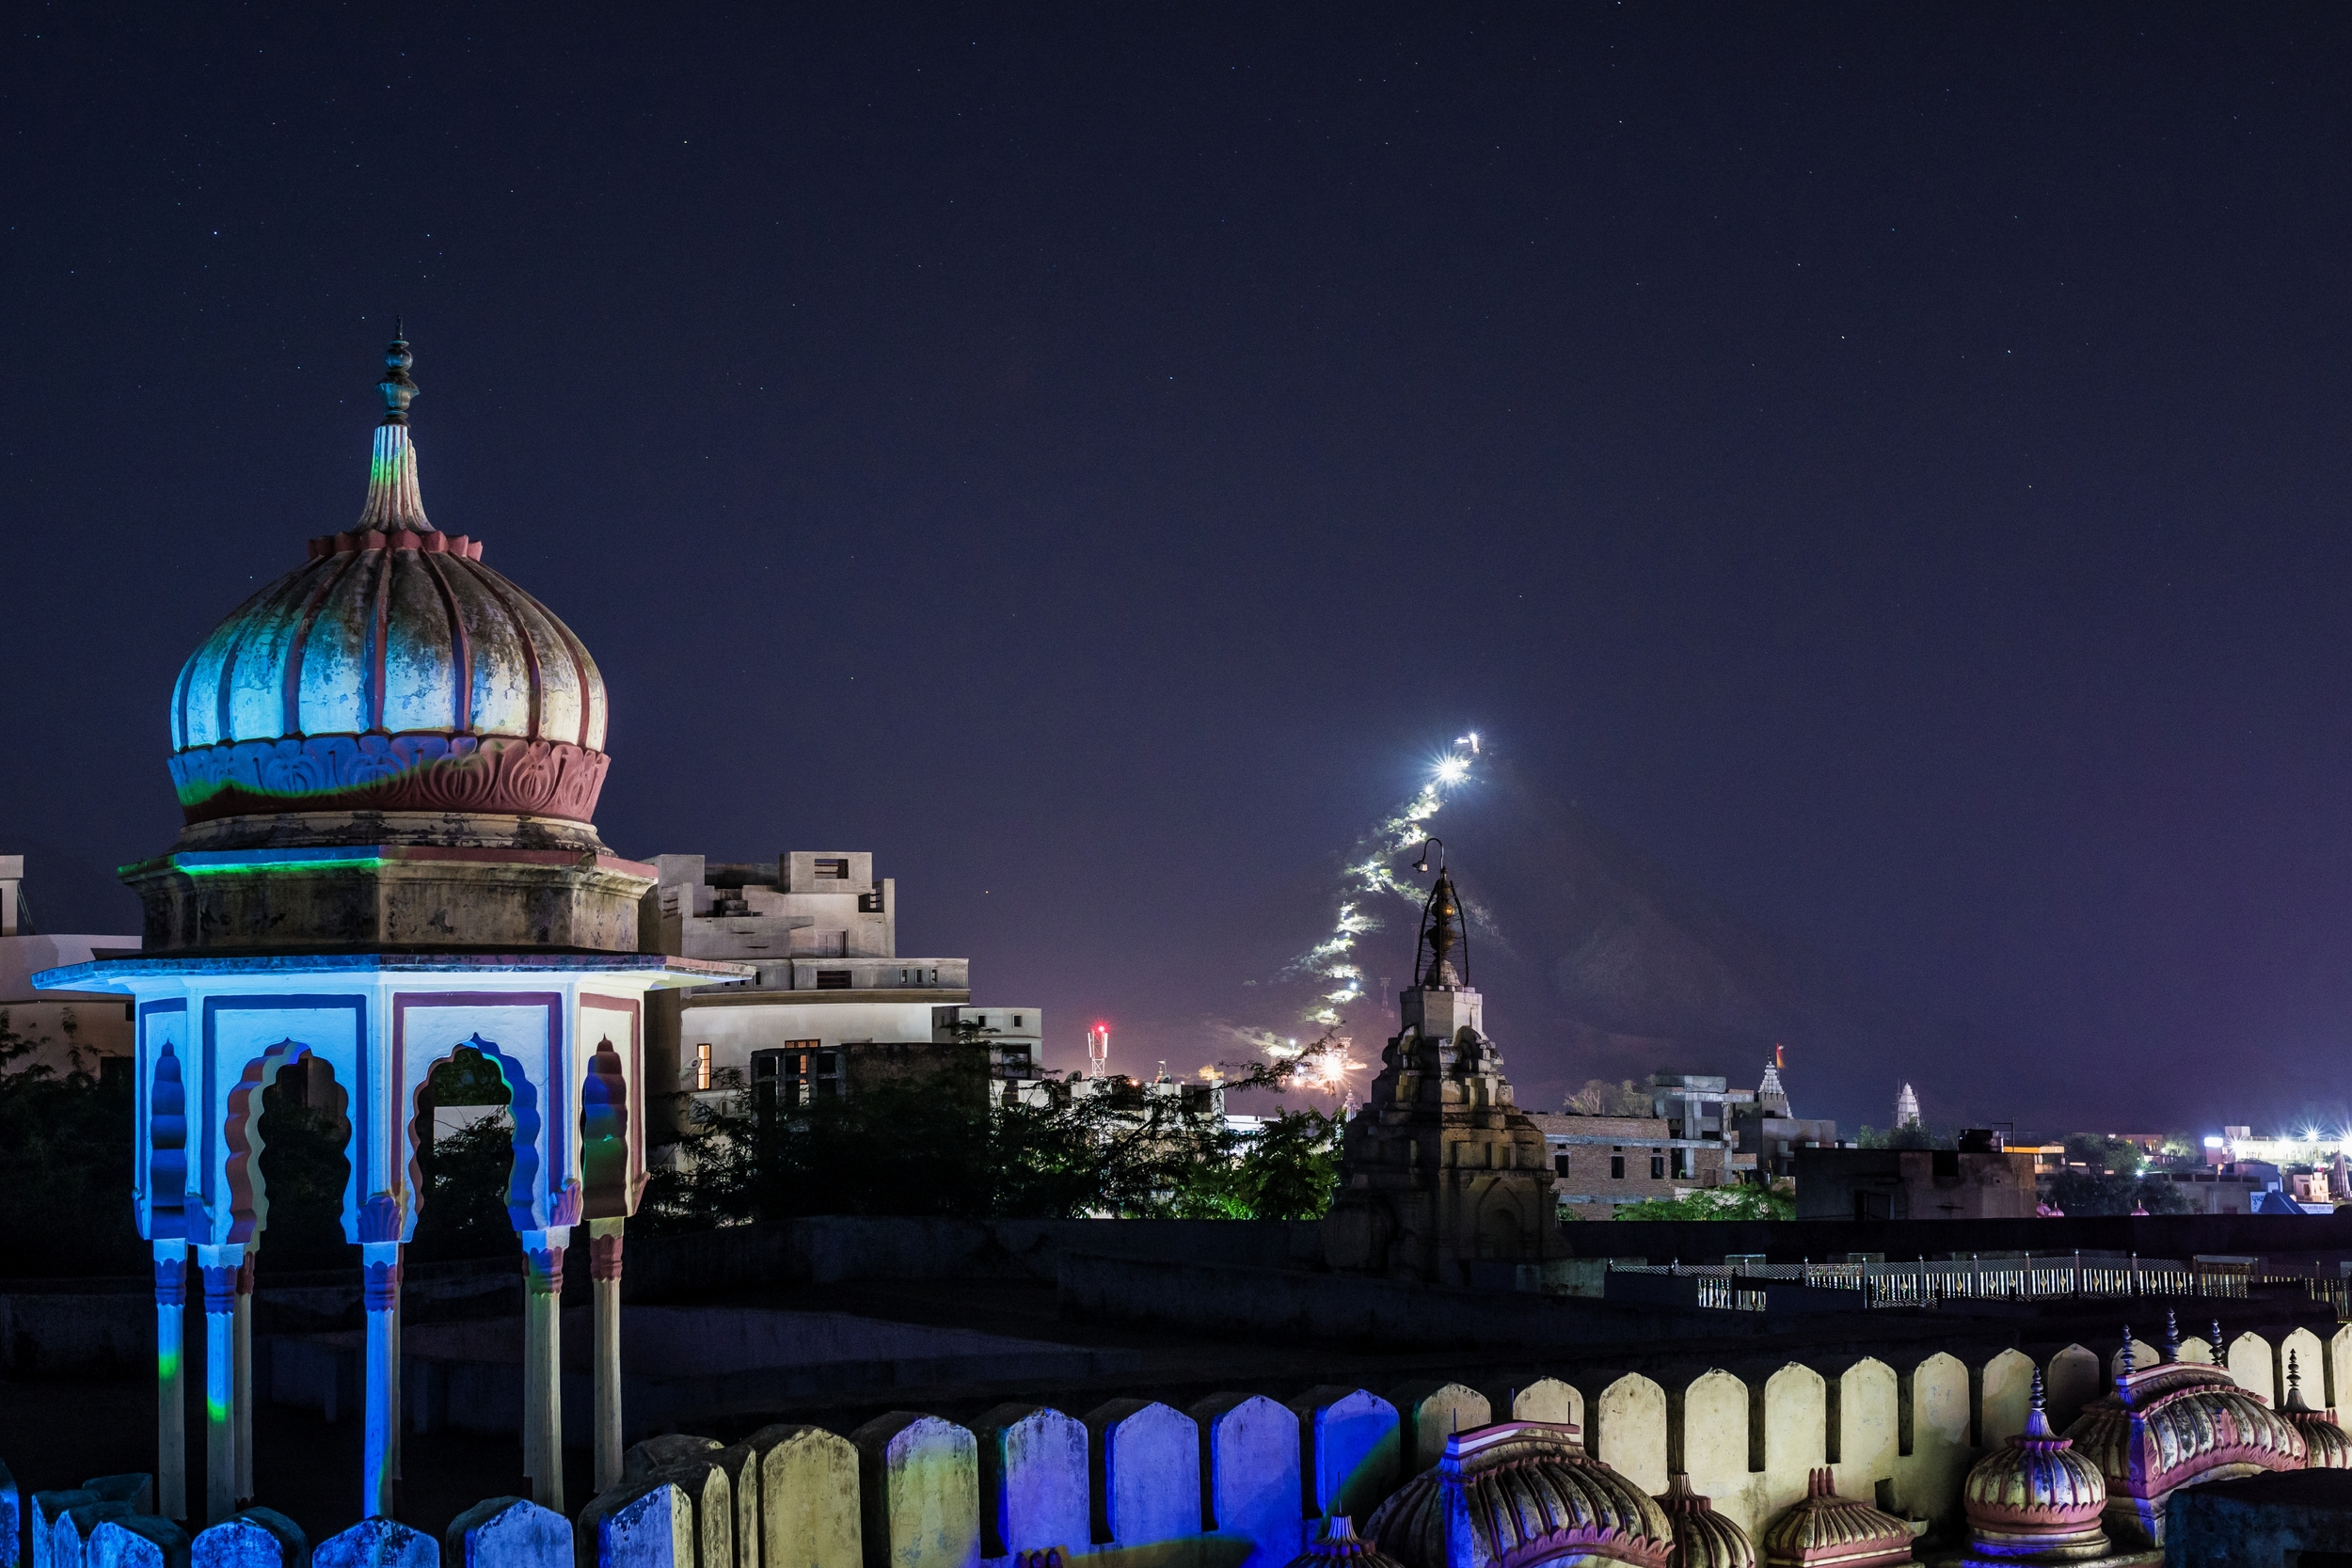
1769	1133
1979	1181
67	1029
835	1008
1602	1162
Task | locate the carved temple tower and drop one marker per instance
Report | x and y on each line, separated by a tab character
388	762
1439	1169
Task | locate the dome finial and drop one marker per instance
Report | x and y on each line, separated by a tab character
397	385
2220	1352
2127	1350
2171	1335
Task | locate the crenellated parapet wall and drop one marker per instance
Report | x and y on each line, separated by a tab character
1242	1479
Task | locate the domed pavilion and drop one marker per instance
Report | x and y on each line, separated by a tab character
387	763
2177	1424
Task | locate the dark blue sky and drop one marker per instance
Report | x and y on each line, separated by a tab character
1887	470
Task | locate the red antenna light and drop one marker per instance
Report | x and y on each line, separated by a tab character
1098	1049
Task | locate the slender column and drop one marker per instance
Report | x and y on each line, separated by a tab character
380	1293
543	1363
219	1266
171	1386
604	1273
245	1376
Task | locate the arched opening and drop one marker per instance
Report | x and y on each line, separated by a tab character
298	1145
604	1137
464	1139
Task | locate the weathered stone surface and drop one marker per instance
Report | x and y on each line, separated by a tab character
137	1488
809	1498
1348	1449
377	1544
1249	1486
638	1524
1429	1412
707	1487
11	1520
1547	1398
642	1459
1627	1431
138	1541
919	1488
507	1532
740	1463
69	1538
1035	1490
1146	1472
255	1538
46	1509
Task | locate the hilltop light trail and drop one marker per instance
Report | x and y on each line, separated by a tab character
1323	1063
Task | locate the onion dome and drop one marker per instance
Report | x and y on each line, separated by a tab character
1523	1493
1341	1545
2327	1446
2176	1424
2036	1500
1703	1538
393	670
1828	1528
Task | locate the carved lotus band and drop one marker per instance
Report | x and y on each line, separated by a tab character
427	772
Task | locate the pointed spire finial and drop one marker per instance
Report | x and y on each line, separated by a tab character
397	385
2172	1336
2127	1350
2221	1351
2039	1400
2037	1415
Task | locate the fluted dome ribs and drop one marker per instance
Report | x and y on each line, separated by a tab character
393	670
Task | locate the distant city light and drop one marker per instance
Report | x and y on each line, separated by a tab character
2212	1143
1452	770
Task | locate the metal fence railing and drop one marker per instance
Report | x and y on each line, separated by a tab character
1740	1285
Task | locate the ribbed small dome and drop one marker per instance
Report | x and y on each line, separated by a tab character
2326	1445
1825	1528
1703	1538
393	670
2035	1499
1531	1496
1339	1546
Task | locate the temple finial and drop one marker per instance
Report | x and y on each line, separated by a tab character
2038	1401
2037	1414
2220	1355
2172	1336
397	385
2127	1350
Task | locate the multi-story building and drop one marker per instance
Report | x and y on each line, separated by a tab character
836	1006
64	1028
1981	1179
1602	1162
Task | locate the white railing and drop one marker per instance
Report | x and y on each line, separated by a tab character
1925	1282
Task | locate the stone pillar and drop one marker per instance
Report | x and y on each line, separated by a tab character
379	1293
604	1273
219	1266
171	1396
245	1376
543	1364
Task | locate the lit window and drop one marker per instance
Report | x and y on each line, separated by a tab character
701	1066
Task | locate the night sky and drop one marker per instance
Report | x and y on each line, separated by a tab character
1876	480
